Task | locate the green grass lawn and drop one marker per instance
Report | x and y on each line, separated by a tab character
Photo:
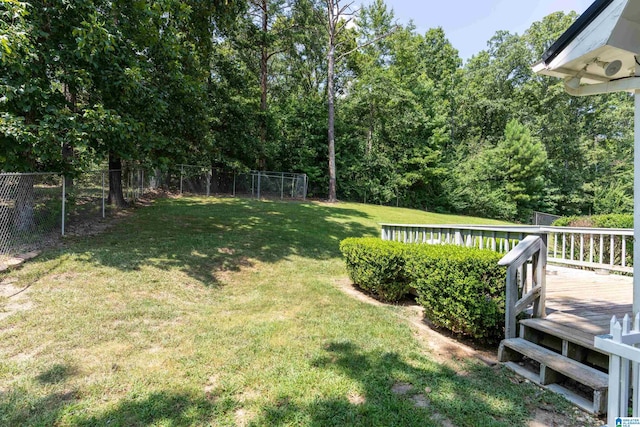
199	311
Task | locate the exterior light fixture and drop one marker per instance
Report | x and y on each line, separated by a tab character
610	68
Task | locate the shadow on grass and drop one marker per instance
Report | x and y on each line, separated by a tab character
56	374
393	392
390	391
18	407
161	408
174	409
203	237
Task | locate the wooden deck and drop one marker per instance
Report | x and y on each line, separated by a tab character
585	300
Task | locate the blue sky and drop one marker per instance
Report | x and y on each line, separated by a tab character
469	24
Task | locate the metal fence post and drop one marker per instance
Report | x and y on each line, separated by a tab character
293	185
208	183
103	198
181	177
234	184
304	195
282	187
259	173
64	189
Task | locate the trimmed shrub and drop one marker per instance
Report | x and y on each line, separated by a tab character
461	289
377	266
596	221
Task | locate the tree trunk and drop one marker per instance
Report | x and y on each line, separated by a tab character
24	217
330	96
216	177
67	156
264	71
115	181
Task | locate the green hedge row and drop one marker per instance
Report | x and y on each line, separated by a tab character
461	289
596	221
377	267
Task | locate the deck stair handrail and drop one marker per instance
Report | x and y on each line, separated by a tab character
530	248
624	360
596	248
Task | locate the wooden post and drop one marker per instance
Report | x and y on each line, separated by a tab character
542	280
510	304
612	249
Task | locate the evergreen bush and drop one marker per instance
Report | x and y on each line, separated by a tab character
461	289
596	221
377	267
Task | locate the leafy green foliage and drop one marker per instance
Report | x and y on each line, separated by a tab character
396	126
505	181
377	267
461	289
243	84
596	221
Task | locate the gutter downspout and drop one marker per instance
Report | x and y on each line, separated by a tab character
629	84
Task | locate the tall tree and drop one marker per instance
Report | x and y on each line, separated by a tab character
105	80
339	18
272	33
336	24
395	124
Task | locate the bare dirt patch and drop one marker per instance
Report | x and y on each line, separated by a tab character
356	399
401	388
420	401
10	262
443	348
13	299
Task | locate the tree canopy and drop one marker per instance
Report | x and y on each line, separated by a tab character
247	84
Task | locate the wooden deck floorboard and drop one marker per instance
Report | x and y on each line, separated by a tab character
585	300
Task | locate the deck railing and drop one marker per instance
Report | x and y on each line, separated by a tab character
530	248
624	360
597	248
498	238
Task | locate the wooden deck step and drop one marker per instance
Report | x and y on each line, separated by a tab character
555	367
561	331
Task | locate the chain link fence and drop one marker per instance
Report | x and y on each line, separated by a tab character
541	218
257	184
30	210
37	208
